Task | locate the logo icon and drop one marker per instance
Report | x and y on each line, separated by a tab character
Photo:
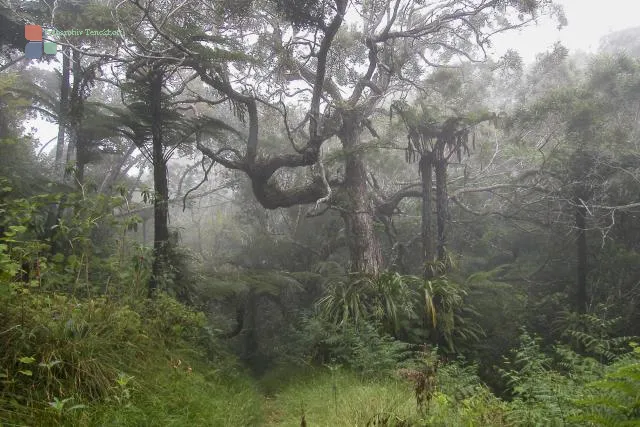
35	46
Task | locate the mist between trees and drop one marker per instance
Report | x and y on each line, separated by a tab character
316	213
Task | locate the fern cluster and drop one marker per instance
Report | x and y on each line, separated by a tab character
615	399
359	347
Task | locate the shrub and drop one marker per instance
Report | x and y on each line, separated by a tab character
360	347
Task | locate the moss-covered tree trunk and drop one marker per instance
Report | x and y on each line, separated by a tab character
77	149
442	205
425	168
161	187
358	210
65	88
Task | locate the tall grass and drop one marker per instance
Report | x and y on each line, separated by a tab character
340	399
68	361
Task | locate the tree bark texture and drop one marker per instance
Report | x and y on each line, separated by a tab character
63	109
77	149
358	212
161	188
442	206
425	168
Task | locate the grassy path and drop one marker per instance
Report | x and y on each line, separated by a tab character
341	399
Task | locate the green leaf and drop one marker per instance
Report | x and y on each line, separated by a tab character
17	229
26	372
27	360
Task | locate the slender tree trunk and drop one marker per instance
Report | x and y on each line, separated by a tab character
364	246
115	171
581	254
75	110
77	147
64	109
160	204
426	174
442	206
134	185
81	156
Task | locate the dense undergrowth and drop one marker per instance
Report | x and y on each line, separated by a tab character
108	361
70	361
564	390
83	343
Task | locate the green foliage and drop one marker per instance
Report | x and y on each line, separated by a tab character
180	277
462	399
544	392
383	401
54	241
357	401
501	310
126	272
616	398
388	299
446	309
592	334
422	309
172	321
307	14
266	282
394	299
193	392
63	338
344	300
75	350
360	347
615	273
71	361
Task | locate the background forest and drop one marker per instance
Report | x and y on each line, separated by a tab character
337	212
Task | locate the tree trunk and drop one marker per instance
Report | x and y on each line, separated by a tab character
442	206
77	148
116	170
160	201
426	174
64	109
581	254
75	109
358	214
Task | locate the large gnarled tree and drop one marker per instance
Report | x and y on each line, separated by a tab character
343	60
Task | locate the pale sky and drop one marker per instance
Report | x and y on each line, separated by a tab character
588	22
